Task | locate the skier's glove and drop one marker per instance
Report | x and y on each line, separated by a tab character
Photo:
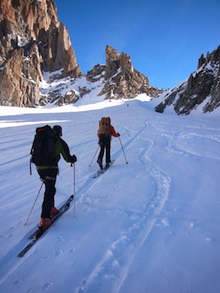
118	134
73	159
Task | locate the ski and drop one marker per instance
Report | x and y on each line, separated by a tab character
39	232
60	212
102	171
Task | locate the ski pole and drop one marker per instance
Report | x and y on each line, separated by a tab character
94	157
34	203
74	188
30	168
123	150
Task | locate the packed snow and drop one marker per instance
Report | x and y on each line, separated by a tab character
151	225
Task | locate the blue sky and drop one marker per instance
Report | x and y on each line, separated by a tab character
163	38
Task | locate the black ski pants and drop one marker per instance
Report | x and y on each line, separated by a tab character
48	176
105	147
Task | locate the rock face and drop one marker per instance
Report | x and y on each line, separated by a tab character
31	41
202	87
122	80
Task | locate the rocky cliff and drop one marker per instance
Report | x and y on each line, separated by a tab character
117	79
201	88
31	41
121	79
38	66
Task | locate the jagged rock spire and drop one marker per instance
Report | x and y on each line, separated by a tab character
31	41
122	79
201	88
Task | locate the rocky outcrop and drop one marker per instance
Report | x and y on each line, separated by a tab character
97	73
122	80
19	80
31	41
202	87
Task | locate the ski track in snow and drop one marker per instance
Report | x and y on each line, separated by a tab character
175	142
113	266
83	190
117	260
109	267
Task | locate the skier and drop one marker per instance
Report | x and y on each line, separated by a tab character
105	132
48	175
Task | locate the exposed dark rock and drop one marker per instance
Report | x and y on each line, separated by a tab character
122	80
202	87
96	73
31	41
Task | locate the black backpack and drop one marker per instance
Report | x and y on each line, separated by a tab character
42	150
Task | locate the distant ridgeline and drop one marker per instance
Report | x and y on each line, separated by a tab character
201	88
33	42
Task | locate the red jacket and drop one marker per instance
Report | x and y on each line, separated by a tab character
111	131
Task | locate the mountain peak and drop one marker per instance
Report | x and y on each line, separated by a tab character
31	41
122	80
201	89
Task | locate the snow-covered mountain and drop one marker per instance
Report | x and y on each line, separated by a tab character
35	45
201	89
151	225
33	41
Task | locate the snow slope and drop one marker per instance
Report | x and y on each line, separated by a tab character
151	225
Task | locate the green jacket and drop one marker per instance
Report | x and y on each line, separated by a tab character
62	148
